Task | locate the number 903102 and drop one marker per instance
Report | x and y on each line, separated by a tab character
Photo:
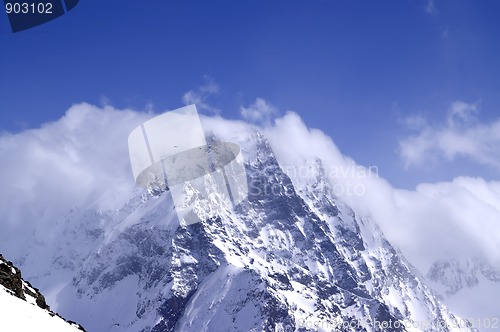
28	8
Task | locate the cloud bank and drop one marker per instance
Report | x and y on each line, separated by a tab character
200	95
430	8
260	112
462	135
82	160
437	219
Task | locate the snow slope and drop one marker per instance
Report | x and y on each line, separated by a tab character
21	316
23	307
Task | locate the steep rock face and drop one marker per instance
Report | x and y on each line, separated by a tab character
460	282
292	257
455	274
12	283
10	278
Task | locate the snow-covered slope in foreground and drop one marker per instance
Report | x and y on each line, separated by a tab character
17	315
23	308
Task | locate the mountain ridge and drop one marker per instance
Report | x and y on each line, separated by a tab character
293	257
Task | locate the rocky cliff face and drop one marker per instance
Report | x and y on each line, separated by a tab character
10	278
461	281
290	258
455	274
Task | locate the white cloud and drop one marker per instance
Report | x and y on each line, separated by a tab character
83	158
260	112
415	122
201	94
461	216
461	113
445	31
462	135
80	159
430	8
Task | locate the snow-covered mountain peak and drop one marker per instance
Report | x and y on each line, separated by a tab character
291	257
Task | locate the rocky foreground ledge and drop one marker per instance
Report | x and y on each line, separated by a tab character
11	281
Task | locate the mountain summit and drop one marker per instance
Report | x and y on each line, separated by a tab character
291	257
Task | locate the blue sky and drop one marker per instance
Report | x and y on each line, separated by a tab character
358	70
